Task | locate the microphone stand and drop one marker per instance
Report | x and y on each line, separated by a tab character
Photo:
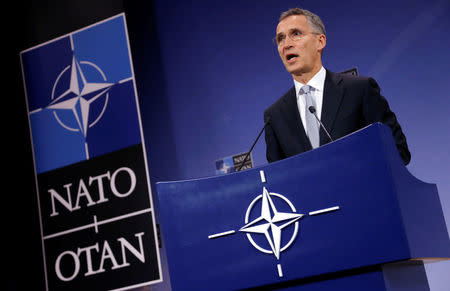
313	111
248	153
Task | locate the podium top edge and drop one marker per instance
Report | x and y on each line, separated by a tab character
373	126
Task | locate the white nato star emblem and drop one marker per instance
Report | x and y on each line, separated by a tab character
79	96
270	223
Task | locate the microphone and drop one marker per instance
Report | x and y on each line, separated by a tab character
312	109
248	153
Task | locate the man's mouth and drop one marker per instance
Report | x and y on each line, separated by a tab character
291	57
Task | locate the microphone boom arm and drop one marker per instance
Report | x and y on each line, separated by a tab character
313	111
256	140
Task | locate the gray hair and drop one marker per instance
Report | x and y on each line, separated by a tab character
314	20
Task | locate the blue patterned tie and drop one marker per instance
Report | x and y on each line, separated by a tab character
312	127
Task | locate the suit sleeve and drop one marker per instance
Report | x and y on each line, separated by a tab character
273	148
376	109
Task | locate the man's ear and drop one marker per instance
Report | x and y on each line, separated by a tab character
322	42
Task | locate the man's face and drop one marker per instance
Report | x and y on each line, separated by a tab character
302	55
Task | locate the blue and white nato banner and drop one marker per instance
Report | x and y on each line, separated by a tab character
95	204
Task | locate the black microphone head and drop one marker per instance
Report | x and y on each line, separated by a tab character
312	109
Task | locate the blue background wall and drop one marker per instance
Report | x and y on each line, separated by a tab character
217	69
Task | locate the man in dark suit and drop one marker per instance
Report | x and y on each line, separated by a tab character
344	103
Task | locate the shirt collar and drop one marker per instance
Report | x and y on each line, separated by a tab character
317	82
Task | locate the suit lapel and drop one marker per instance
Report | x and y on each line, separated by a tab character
296	129
332	98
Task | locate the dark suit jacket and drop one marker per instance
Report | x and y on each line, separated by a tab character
349	104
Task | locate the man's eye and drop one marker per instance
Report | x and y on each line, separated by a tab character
280	38
296	33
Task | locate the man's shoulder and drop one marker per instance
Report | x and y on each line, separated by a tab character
348	79
282	101
353	85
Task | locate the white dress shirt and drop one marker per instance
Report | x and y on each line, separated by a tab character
317	82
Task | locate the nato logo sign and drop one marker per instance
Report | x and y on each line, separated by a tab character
234	163
95	203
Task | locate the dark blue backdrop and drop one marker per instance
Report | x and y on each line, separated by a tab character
210	69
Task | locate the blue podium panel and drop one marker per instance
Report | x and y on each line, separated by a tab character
342	206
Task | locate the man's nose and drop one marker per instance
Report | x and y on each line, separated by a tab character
287	43
286	46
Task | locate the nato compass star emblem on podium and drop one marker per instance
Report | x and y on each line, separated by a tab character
271	222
